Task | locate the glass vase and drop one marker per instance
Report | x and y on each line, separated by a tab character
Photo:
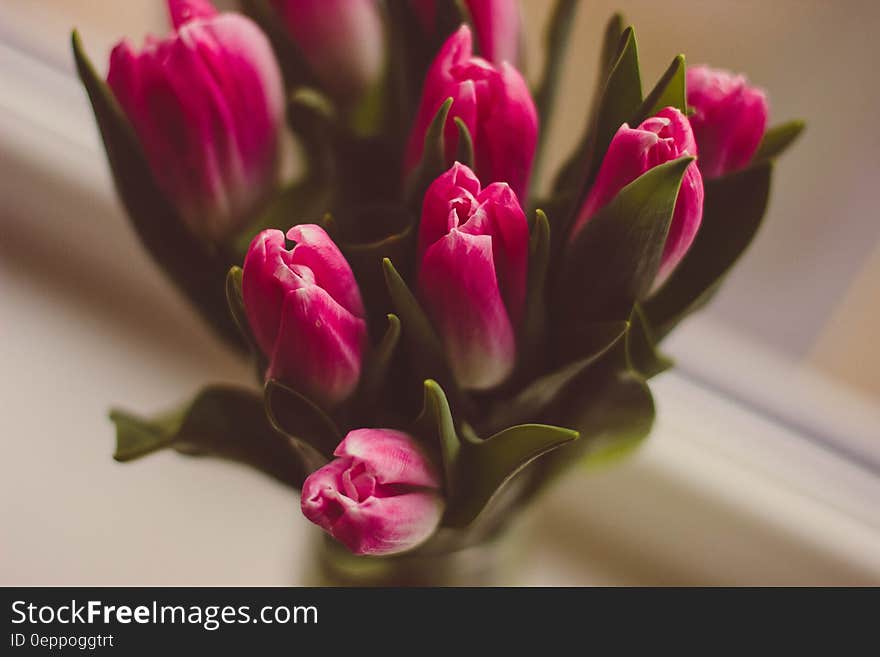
487	562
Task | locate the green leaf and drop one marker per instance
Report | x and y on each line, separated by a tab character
366	260
485	466
641	347
534	323
611	40
236	302
614	259
433	161
570	173
619	102
195	267
621	97
613	410
733	209
435	429
465	151
616	422
532	402
474	470
611	407
222	421
424	347
300	419
777	140
669	92
378	363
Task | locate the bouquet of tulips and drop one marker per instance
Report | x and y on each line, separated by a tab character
434	338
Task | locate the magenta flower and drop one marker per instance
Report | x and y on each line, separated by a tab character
633	151
380	496
473	254
729	119
342	41
207	105
497	23
305	311
492	101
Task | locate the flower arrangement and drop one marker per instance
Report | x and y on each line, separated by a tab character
434	339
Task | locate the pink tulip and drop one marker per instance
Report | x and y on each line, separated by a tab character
493	102
207	104
305	311
380	496
473	249
342	41
729	119
497	23
660	138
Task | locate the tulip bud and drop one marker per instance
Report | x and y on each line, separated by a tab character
473	249
660	138
305	311
729	119
492	101
497	23
380	496
341	40
207	105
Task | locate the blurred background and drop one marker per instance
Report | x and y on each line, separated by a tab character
765	465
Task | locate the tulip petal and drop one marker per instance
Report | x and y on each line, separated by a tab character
319	253
497	23
729	119
380	496
391	456
388	525
686	221
456	187
206	104
319	347
374	526
510	243
460	288
439	85
183	11
625	160
507	134
493	102
262	294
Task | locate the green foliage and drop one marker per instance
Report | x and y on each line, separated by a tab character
668	92
733	208
433	160
614	259
424	349
534	324
474	469
778	139
225	422
465	151
300	419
